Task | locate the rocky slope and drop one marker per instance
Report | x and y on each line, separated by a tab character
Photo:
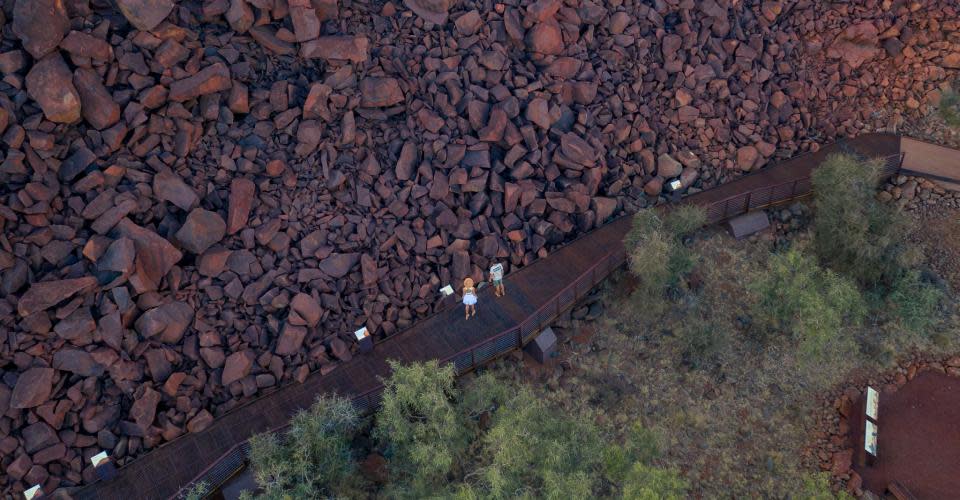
199	200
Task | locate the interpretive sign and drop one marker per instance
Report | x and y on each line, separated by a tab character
496	272
870	438
873	403
447	291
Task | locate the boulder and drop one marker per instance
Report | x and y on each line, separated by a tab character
33	388
201	230
376	92
97	105
40	25
46	294
50	83
213	78
168	322
145	14
237	366
242	192
355	49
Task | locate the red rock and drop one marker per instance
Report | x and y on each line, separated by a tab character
355	49
435	11
168	322
202	229
85	45
841	462
315	105
239	99
238	365
380	92
145	14
291	339
77	328
33	388
306	24
337	265
577	150
239	15
267	37
542	10
242	192
340	350
951	60
78	362
144	409
201	421
155	255
213	78
46	294
168	186
407	161
275	168
857	44
171	53
496	125
545	38
747	158
97	105
19	467
538	111
50	83
38	436
604	207
40	25
667	167
654	186
50	454
305	310
469	23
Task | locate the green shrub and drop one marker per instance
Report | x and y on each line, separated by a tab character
855	234
419	423
817	487
314	458
534	450
811	304
950	108
701	339
915	302
649	483
641	445
198	491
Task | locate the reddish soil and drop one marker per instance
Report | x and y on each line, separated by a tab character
919	441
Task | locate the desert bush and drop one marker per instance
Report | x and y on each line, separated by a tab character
915	302
950	108
701	339
313	459
419	423
657	255
815	306
533	450
198	491
817	487
853	233
644	482
641	444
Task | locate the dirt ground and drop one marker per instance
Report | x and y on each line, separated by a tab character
940	239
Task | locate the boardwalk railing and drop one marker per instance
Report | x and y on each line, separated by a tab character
464	361
766	196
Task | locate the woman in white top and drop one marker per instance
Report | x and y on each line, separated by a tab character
469	297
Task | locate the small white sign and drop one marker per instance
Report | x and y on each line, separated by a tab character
870	438
361	333
873	403
99	458
447	290
497	272
675	184
32	492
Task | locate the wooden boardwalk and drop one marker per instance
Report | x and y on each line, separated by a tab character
536	295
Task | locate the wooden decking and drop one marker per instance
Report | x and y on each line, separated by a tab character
535	295
937	163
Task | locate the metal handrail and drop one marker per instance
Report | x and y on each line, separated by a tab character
740	203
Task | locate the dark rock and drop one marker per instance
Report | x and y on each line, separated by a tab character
33	388
40	25
44	295
202	229
50	83
145	14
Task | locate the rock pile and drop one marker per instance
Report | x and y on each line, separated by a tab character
199	199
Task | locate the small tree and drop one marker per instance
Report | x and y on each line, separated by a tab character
855	234
314	458
649	483
811	304
538	451
421	426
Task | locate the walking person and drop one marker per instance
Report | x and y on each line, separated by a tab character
469	298
496	278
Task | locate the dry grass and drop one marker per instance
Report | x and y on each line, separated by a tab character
734	419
